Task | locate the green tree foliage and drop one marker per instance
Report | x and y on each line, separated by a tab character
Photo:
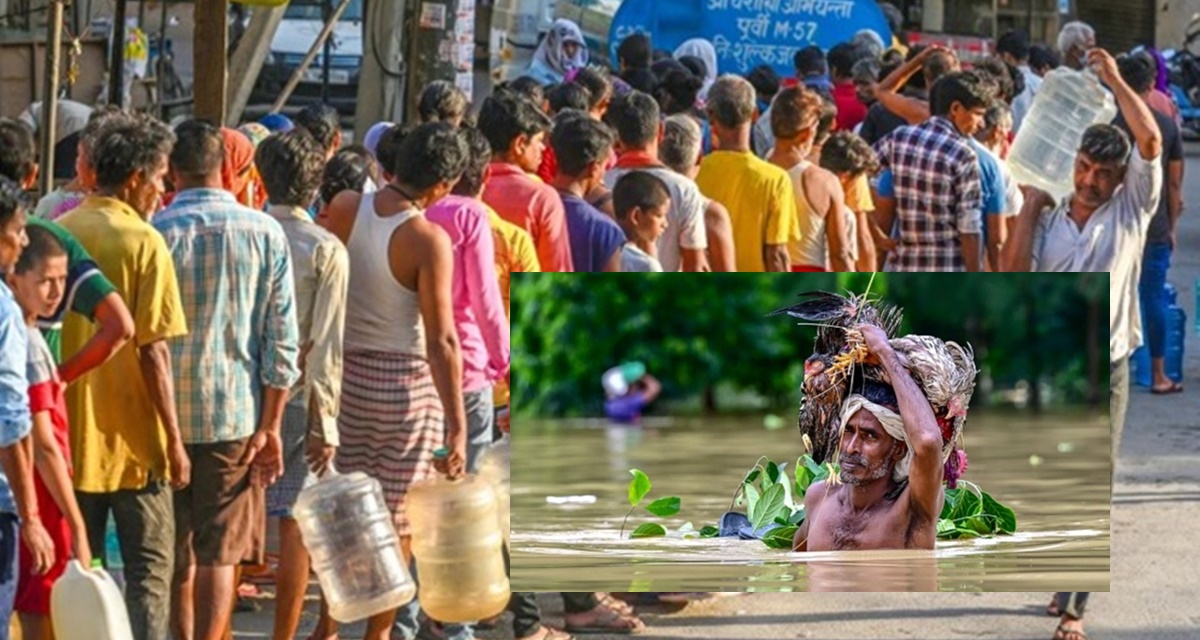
697	331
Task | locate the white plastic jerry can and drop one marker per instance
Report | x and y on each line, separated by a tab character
85	604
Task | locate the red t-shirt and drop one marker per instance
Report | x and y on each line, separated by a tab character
850	112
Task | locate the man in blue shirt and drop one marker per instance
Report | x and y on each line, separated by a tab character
18	504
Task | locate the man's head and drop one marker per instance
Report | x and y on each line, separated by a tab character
1074	41
635	52
323	123
38	280
681	145
17	158
937	65
997	123
431	160
1043	59
582	147
441	101
841	59
677	90
529	88
1100	164
997	72
848	156
872	445
809	62
795	114
765	82
291	165
599	88
962	97
130	158
479	155
13	205
635	119
197	155
388	149
868	43
568	95
866	78
348	170
730	104
1137	72
641	201
516	129
1013	46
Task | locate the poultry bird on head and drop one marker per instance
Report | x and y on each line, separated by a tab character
945	371
825	383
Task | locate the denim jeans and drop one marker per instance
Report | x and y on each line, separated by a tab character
481	420
10	537
1155	263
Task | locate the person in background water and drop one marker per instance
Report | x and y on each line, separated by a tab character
20	519
516	130
38	283
235	370
758	195
642	201
126	446
629	389
583	146
292	164
562	51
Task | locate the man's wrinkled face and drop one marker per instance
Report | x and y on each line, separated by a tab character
967	121
867	452
864	88
1095	182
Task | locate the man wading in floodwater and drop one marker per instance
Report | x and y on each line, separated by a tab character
890	493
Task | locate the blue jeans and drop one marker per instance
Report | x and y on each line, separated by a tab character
1155	263
10	537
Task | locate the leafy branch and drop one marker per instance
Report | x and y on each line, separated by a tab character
639	487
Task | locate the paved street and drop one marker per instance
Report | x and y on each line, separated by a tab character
1153	592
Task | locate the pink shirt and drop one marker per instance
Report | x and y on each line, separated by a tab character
478	307
534	206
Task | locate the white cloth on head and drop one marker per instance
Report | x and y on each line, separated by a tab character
892	424
550	62
703	49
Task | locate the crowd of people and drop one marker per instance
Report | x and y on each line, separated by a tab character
201	318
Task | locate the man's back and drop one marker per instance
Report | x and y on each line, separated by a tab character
235	277
758	195
594	237
117	438
938	194
534	206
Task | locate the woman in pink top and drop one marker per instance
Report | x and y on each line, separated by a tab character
478	306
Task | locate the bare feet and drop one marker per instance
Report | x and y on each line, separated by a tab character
1070	629
548	633
603	620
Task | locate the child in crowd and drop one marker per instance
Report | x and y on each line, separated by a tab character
641	201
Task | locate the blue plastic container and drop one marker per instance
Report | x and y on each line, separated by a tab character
1139	363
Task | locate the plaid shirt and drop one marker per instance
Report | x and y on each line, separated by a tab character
938	194
235	279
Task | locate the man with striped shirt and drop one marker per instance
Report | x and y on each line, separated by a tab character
233	374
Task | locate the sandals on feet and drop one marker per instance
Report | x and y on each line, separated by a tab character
609	622
550	633
620	606
1069	634
1052	609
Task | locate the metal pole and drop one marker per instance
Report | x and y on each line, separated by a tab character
116	75
158	65
49	119
327	7
312	54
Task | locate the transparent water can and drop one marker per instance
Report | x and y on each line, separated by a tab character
1043	154
494	468
457	545
347	528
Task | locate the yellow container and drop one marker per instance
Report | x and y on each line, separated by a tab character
456	542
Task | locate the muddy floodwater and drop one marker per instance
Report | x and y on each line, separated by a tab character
569	481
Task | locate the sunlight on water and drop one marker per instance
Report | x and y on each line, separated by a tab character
1053	470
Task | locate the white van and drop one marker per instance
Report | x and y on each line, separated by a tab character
302	23
517	28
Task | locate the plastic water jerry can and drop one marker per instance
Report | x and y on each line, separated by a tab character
85	604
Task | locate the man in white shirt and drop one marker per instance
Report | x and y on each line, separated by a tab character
1102	227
